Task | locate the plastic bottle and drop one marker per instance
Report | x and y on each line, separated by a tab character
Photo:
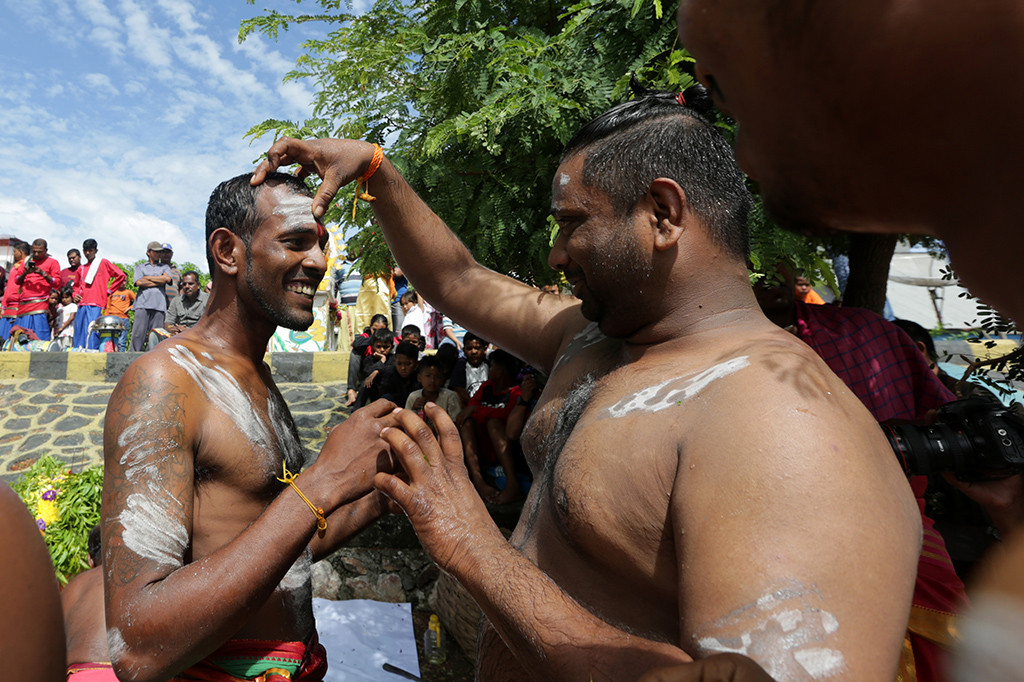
433	641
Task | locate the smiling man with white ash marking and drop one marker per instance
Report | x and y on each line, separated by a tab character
704	483
207	552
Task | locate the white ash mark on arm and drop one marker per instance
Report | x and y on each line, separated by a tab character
142	452
783	631
153	528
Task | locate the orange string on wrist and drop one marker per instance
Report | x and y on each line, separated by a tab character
318	512
364	179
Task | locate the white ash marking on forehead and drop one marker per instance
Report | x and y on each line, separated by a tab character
564	179
673	391
296	209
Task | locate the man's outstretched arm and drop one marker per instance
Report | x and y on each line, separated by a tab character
432	257
164	611
552	636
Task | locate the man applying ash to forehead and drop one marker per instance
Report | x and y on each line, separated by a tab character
207	551
703	482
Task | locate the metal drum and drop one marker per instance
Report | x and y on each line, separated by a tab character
109	324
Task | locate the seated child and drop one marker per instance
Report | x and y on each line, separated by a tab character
447	355
396	381
431	378
413	335
483	425
470	372
360	349
370	366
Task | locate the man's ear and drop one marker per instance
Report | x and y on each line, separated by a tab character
670	212
225	246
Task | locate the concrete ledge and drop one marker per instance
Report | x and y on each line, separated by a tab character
317	368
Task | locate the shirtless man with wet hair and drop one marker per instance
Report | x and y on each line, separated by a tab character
204	546
703	483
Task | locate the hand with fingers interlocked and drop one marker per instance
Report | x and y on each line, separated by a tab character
438	496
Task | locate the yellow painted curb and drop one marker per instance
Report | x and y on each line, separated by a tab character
87	367
1002	347
329	367
14	365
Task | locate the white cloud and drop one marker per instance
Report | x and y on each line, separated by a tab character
31	122
106	28
298	97
135	87
203	54
28	220
148	42
101	82
182	12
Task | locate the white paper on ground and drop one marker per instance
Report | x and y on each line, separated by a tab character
361	635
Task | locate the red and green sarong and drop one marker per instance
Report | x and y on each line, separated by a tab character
239	660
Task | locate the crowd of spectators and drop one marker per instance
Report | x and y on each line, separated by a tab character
487	392
57	309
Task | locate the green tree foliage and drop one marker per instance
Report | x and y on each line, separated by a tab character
474	100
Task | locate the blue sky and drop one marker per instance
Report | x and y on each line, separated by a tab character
119	117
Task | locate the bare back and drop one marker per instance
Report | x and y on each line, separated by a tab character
678	488
84	624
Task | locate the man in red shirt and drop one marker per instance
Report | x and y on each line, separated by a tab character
69	275
96	281
12	292
37	279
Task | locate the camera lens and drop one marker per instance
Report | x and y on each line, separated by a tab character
924	450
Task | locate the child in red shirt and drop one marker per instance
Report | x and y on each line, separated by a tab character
484	437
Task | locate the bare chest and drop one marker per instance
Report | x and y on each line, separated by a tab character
246	432
605	446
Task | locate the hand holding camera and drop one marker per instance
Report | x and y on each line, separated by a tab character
975	438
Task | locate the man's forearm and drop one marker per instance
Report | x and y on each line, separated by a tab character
151	630
550	634
346	521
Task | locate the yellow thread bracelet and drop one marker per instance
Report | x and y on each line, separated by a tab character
364	179
318	512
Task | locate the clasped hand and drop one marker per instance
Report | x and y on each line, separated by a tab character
438	497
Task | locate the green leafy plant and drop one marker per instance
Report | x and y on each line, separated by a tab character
66	506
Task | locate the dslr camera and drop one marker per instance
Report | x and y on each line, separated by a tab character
975	438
